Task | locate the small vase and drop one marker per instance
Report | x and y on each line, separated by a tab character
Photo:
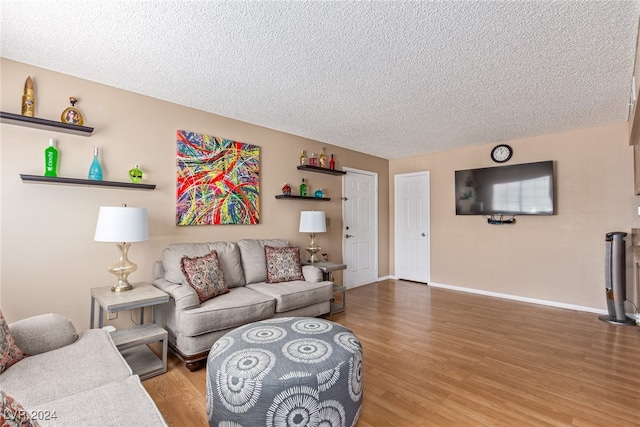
286	190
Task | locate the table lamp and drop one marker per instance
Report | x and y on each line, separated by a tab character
122	225
313	222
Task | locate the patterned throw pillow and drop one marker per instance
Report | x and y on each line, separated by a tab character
9	351
205	275
283	264
13	414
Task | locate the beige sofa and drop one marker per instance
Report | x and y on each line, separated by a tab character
193	327
74	380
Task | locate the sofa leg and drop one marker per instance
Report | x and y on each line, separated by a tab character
192	362
195	365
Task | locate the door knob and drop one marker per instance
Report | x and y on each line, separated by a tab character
423	234
348	235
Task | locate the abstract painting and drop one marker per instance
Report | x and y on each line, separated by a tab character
218	180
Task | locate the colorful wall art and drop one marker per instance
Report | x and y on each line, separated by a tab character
218	181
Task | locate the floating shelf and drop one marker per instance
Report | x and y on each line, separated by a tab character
321	170
282	196
44	124
39	179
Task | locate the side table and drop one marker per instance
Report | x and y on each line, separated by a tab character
327	269
132	342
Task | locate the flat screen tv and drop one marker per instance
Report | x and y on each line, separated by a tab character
524	189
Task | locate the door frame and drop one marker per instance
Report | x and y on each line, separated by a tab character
395	219
375	218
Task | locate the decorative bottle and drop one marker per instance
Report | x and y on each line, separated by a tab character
303	188
332	163
50	159
71	115
95	171
313	160
303	158
322	160
286	189
28	100
318	193
135	175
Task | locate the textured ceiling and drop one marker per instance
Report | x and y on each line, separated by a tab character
390	78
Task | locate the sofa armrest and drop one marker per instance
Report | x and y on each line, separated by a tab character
46	332
184	296
312	273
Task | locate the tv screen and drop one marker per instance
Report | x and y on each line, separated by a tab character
524	189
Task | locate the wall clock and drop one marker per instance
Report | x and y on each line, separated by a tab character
501	153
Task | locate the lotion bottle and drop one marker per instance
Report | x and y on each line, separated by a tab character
51	159
95	171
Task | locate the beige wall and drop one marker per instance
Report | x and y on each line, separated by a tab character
49	259
556	258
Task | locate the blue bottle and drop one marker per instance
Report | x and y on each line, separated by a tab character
95	171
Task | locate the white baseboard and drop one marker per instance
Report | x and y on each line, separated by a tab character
548	303
519	298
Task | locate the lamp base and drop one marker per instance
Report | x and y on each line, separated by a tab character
313	249
121	287
122	269
312	252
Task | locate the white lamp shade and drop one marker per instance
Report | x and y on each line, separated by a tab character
122	224
312	222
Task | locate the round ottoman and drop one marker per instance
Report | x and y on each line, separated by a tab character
294	371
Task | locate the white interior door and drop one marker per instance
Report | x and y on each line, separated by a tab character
360	227
412	227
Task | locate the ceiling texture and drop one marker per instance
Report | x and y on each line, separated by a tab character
388	78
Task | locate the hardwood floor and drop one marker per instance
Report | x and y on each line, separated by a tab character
435	357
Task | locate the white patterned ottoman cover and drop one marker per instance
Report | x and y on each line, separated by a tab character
293	371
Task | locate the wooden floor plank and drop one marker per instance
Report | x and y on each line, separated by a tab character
436	357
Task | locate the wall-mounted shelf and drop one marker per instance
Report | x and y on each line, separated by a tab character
321	170
282	196
44	124
39	179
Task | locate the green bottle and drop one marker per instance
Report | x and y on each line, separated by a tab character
303	188
51	159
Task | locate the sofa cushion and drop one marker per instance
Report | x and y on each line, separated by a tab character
283	264
88	363
296	294
239	306
253	258
42	333
204	275
118	403
10	353
228	255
